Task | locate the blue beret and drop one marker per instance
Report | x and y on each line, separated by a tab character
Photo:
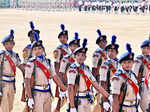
76	40
9	37
31	32
37	42
145	43
82	49
102	37
63	32
129	55
113	44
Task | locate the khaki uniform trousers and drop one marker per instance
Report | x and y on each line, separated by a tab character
84	106
42	102
8	97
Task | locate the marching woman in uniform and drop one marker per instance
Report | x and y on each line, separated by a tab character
80	79
38	73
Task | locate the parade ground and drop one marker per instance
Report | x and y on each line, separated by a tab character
128	28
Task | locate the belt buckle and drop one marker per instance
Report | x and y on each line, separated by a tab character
131	102
44	86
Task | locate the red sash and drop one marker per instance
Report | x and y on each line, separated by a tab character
63	51
86	79
132	83
113	69
103	55
147	75
71	59
12	64
43	68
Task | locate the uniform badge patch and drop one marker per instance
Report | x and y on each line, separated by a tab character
56	54
25	53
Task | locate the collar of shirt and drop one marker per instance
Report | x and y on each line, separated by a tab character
41	58
72	55
79	65
112	60
101	49
65	45
147	56
128	72
10	52
115	59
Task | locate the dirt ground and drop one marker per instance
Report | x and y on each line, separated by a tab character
128	28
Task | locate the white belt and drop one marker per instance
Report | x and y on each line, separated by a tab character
82	94
129	103
11	78
41	87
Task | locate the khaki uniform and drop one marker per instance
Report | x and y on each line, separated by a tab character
43	99
97	60
8	80
26	53
106	71
72	73
65	62
130	101
58	54
140	67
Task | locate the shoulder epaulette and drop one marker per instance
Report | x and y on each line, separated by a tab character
2	52
139	57
60	46
107	62
67	56
118	72
97	50
28	46
32	59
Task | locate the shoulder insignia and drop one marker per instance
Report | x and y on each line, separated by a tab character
56	54
25	54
